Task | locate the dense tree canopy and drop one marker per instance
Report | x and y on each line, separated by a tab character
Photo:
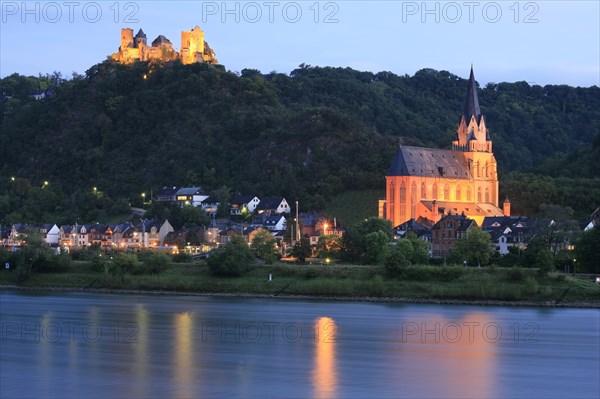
308	135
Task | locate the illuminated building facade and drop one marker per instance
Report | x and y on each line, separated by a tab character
426	183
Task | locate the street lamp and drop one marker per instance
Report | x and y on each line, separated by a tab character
143	199
45	184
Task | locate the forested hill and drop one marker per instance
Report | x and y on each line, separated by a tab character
306	135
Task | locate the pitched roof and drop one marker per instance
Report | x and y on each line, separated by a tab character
161	40
469	208
190	191
464	222
140	34
269	203
167	191
210	200
242	199
472	101
273	220
429	162
412	225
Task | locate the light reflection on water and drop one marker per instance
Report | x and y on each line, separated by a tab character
184	347
324	374
184	350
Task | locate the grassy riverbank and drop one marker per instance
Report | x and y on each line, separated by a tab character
416	283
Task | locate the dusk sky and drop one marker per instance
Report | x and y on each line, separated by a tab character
541	42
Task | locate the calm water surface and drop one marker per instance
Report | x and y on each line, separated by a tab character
132	346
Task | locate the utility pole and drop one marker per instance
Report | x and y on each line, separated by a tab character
297	223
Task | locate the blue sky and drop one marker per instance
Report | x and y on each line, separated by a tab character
541	42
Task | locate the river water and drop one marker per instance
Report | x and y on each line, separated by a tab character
79	345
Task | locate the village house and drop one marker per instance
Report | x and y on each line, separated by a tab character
101	235
241	204
271	205
275	223
75	236
191	196
420	229
167	194
449	229
210	205
508	232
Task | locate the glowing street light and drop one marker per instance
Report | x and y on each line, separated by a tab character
45	184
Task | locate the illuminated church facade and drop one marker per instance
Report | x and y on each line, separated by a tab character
426	183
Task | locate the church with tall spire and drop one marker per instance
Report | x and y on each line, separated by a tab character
425	183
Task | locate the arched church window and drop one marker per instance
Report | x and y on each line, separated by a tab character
469	194
403	202
458	193
423	191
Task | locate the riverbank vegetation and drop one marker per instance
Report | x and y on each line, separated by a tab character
356	281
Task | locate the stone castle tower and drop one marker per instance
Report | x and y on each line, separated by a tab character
193	48
425	183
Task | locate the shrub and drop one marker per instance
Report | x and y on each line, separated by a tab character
396	263
182	257
156	263
123	264
531	286
233	260
377	285
451	273
516	274
312	273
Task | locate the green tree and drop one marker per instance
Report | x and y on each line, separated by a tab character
264	246
328	246
544	261
34	256
587	251
302	250
377	248
475	247
420	249
123	263
536	245
157	262
353	246
233	260
399	257
373	224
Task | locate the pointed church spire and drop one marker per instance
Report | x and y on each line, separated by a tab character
472	101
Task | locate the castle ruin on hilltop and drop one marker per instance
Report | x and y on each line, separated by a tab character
135	48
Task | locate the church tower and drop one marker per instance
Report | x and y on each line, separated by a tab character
425	183
473	138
